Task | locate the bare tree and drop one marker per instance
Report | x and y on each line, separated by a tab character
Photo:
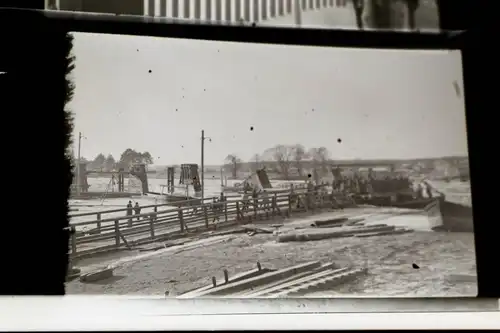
320	157
299	154
234	162
359	6
283	157
256	161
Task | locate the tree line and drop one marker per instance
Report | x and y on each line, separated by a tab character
107	162
286	160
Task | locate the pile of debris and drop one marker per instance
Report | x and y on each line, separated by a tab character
337	228
292	281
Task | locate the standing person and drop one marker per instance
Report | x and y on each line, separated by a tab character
245	201
137	210
420	190
428	189
129	213
255	196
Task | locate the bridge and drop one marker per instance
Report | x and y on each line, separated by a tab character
291	13
104	230
308	13
305	13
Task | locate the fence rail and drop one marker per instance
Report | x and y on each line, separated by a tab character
163	220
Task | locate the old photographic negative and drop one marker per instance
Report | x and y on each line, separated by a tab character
227	169
413	15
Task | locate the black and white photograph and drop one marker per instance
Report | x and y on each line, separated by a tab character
404	15
224	169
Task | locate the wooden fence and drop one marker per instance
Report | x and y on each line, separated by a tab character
161	221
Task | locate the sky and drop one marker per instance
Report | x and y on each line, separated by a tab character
157	94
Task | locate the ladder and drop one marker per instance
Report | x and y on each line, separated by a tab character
110	185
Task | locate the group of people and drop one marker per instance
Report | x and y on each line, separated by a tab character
255	194
131	209
372	184
380	184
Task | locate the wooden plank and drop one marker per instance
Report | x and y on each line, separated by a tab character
259	291
100	274
239	277
259	280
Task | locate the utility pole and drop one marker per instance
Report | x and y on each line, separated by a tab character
202	180
78	190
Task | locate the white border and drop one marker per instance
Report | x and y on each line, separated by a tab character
132	313
81	321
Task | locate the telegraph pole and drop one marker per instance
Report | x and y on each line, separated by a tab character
78	190
202	180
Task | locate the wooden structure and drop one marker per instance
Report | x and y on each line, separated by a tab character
116	177
170	179
190	176
113	229
110	229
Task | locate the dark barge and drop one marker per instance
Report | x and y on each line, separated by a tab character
455	217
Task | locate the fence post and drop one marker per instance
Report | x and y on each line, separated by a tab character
255	206
289	204
205	215
73	240
273	204
152	226
117	232
181	219
98	223
225	210
130	221
237	211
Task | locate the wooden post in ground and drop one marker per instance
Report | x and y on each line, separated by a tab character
255	206
238	211
225	209
273	204
73	240
117	233
152	226
289	212
181	219
205	215
98	223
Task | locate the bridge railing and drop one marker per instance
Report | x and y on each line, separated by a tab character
104	216
129	231
230	11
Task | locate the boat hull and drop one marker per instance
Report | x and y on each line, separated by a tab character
454	217
401	201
